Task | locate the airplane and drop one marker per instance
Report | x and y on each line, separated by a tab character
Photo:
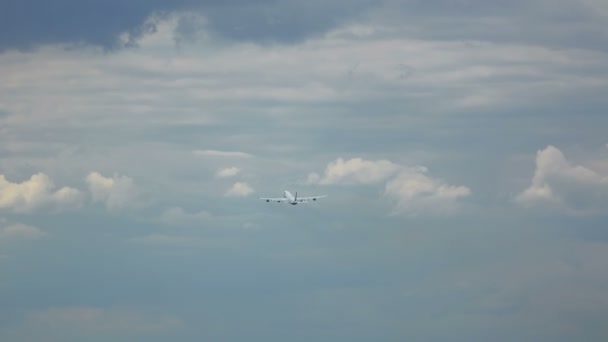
291	199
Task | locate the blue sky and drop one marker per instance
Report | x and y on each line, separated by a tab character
462	145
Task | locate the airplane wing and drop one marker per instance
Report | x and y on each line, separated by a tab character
308	199
278	200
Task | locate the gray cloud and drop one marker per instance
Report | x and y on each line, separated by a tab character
572	24
112	24
27	24
282	21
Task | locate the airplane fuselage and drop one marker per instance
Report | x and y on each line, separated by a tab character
290	198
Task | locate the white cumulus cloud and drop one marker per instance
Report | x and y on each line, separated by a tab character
558	183
36	193
239	189
415	192
354	171
228	172
116	192
412	189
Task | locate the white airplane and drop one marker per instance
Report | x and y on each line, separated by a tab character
291	199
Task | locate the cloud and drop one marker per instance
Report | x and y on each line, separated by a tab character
163	239
228	172
354	171
19	231
32	22
176	216
559	184
116	193
215	153
479	20
417	193
92	320
37	193
29	23
285	21
250	225
411	188
239	189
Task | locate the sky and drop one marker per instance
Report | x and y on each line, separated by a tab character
462	145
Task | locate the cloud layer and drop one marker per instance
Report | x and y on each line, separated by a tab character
81	321
196	103
29	23
216	153
18	231
177	216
